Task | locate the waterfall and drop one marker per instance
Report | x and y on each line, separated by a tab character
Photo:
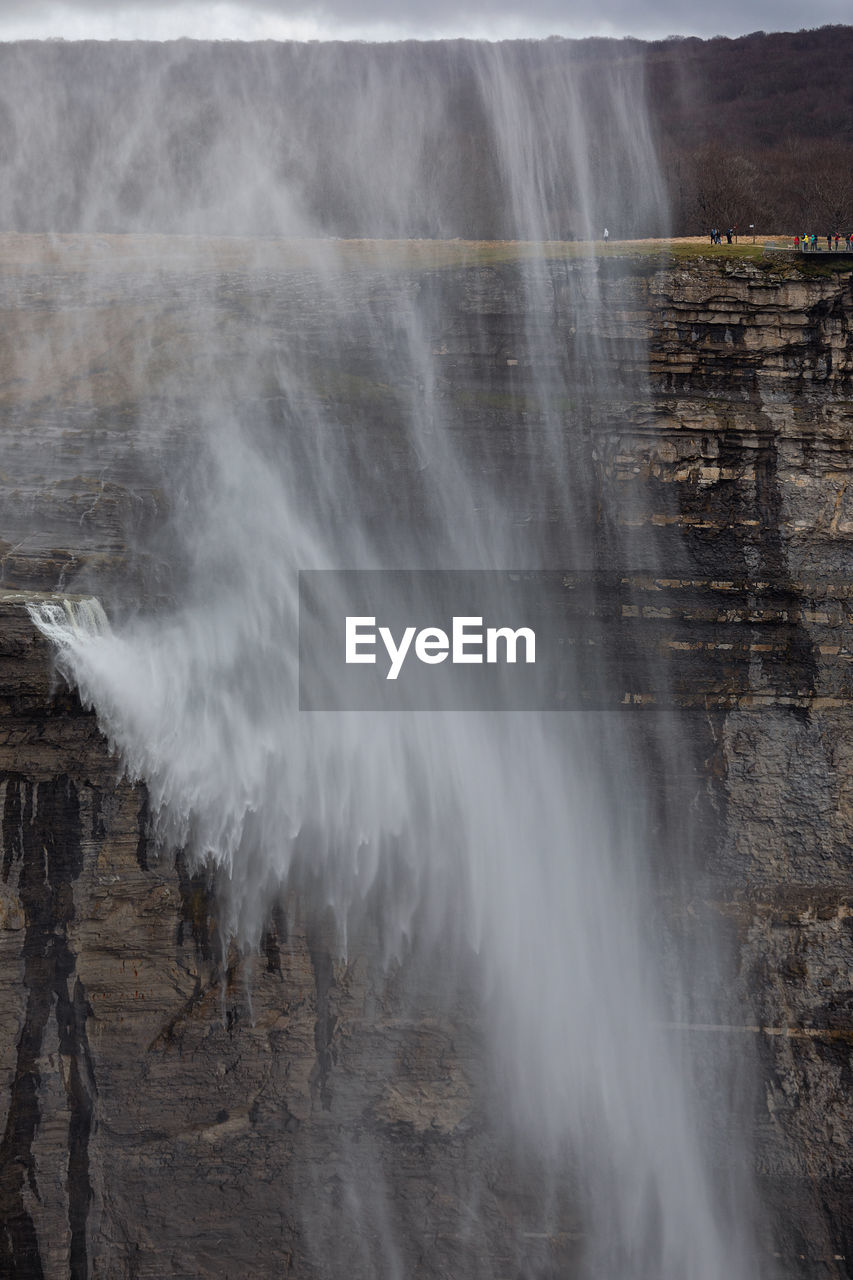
316	418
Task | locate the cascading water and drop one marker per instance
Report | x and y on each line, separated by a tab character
509	851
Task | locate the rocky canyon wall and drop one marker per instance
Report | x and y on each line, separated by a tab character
164	1097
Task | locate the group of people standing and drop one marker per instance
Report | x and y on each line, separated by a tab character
717	235
810	243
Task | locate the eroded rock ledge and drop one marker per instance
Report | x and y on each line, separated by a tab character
161	1093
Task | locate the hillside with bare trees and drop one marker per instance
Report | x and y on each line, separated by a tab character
757	130
220	138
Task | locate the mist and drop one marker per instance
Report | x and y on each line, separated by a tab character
293	403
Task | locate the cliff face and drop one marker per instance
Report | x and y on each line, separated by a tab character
758	371
752	430
172	1107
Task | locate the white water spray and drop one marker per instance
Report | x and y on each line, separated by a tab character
518	839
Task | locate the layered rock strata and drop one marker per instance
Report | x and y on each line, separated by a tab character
163	1095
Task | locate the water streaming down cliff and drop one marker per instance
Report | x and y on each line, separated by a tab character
515	847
